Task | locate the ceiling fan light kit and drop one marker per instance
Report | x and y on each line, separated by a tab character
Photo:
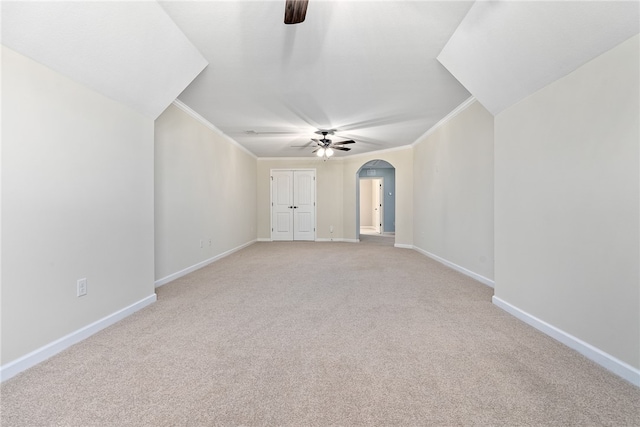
326	148
325	152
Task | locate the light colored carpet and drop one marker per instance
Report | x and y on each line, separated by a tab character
320	334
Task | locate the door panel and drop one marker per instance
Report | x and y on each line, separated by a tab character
377	197
381	205
282	206
293	205
304	202
283	189
283	223
303	186
304	223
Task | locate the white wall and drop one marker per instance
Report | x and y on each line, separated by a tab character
567	205
77	202
205	189
453	191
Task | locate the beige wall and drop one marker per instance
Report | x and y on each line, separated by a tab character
77	202
366	201
567	205
453	191
205	189
336	193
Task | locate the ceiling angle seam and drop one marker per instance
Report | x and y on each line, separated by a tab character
184	107
383	151
301	159
459	109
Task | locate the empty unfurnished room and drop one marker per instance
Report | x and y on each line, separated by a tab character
320	212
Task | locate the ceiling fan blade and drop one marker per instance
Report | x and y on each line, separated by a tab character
340	148
318	143
351	141
295	11
316	149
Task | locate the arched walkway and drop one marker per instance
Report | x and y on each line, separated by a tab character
375	199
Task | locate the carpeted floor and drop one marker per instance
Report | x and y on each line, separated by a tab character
320	334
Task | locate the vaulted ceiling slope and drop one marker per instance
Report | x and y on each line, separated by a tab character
504	51
131	52
379	72
365	68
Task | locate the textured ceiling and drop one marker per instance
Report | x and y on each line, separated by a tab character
504	51
367	69
131	52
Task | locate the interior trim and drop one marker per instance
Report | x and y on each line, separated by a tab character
617	366
459	109
403	246
299	159
185	271
466	272
184	107
41	354
375	153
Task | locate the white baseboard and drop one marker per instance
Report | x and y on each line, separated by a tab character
603	359
262	239
29	360
466	272
318	239
199	265
403	246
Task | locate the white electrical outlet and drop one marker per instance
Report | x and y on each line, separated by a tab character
331	229
82	287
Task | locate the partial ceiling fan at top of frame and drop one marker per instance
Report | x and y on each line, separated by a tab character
295	11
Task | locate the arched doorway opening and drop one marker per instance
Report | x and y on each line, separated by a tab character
376	199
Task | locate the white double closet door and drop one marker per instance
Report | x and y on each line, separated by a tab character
293	204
